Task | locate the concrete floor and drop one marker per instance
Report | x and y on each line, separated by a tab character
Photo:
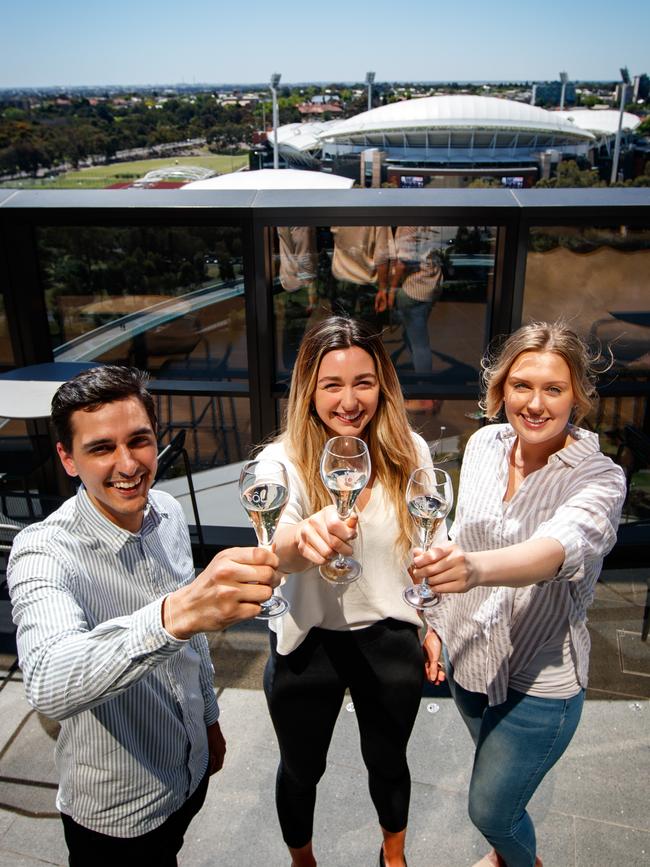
591	811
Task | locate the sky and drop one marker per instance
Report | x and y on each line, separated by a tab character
137	42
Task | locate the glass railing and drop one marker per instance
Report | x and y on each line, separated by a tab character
212	296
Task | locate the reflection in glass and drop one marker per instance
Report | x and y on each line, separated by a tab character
169	300
598	278
425	288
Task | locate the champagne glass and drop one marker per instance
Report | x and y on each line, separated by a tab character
429	497
264	492
345	470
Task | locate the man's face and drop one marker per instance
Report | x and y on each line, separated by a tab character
114	453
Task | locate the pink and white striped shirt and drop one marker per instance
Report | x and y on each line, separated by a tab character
493	633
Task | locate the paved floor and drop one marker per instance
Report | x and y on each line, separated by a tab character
592	809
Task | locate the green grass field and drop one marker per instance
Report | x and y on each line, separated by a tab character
99	177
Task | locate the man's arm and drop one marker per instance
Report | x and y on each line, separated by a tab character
69	665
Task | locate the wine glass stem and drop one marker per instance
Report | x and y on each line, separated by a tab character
340	559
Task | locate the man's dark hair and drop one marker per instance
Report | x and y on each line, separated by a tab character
94	388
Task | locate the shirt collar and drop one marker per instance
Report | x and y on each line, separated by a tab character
106	532
585	443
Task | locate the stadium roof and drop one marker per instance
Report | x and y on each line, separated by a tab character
600	122
273	179
457	113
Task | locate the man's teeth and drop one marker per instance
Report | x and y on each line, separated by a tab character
127	485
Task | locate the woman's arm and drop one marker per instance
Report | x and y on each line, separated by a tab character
449	569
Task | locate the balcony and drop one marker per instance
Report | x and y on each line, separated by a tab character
192	287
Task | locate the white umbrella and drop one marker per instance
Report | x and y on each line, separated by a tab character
273	179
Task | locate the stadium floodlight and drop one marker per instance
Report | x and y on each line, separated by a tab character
564	77
275	81
625	80
370	78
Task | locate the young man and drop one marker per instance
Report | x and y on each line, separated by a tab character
110	621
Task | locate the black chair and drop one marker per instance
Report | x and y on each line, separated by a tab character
167	457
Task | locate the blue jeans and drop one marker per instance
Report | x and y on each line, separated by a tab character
517	743
414	316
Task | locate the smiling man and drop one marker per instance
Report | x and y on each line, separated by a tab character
110	621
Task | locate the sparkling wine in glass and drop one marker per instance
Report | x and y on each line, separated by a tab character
429	498
264	492
345	469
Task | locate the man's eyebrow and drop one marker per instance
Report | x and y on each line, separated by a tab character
102	441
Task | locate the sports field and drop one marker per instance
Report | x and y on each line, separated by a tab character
99	177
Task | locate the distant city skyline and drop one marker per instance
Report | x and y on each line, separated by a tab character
74	43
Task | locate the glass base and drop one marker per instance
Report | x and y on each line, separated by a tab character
341	571
419	599
275	607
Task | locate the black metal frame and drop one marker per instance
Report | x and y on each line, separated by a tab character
513	212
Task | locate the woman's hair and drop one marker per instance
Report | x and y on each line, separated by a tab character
541	337
389	439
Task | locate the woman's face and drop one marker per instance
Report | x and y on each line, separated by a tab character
347	391
538	398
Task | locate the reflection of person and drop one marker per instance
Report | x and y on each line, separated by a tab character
362	636
416	278
109	631
538	509
361	263
298	270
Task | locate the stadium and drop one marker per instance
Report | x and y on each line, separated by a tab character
453	139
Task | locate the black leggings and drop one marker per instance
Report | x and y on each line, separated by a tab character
383	667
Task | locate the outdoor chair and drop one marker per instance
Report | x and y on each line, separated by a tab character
167	457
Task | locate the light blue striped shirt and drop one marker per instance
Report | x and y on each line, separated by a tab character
133	701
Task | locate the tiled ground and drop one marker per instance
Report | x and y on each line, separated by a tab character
591	810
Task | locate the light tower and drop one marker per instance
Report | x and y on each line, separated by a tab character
625	80
370	78
563	78
275	80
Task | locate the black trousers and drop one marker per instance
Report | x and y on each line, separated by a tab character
383	667
158	847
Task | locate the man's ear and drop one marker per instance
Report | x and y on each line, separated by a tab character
67	460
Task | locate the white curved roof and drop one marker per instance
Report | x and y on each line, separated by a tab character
600	121
457	112
302	136
273	179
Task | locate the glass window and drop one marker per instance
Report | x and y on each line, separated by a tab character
598	279
424	287
169	300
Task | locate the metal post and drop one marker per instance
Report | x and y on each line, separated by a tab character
563	78
370	77
275	80
625	80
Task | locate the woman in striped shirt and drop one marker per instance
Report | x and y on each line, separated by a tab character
538	509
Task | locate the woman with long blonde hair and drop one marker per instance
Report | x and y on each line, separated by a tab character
362	636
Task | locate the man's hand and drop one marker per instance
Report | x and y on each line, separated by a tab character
216	748
432	646
230	589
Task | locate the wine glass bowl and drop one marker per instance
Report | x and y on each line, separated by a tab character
345	468
429	498
264	492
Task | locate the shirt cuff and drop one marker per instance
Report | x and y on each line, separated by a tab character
573	565
148	636
211	712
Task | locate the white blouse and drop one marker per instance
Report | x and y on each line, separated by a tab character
377	594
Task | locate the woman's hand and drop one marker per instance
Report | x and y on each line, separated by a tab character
433	668
324	535
446	568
